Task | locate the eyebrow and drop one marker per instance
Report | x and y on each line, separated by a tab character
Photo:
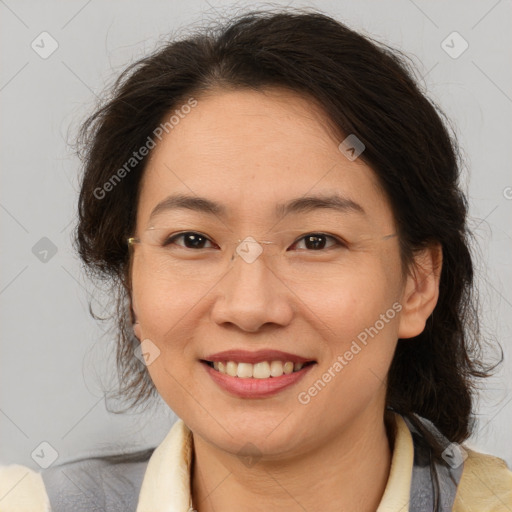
294	206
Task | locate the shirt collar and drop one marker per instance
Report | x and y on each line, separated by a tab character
398	489
166	484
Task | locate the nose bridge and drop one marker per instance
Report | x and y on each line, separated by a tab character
251	264
250	294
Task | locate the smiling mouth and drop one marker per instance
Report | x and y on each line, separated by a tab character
260	370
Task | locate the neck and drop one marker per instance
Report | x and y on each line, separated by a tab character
348	472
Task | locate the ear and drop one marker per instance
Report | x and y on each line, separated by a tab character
135	323
137	331
421	291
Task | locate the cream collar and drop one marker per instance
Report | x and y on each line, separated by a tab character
166	484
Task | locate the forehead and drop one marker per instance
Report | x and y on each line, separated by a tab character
251	150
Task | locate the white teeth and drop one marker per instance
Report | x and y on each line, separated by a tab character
231	368
244	370
276	368
288	367
261	370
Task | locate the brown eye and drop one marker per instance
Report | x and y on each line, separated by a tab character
191	240
317	241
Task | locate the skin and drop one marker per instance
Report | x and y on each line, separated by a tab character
250	150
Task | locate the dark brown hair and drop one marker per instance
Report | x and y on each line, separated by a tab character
365	88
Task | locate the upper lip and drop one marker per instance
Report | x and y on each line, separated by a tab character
246	356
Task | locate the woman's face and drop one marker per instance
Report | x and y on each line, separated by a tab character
333	305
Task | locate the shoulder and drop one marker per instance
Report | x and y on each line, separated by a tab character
22	490
110	484
486	480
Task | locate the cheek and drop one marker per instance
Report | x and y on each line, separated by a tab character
360	313
162	308
353	372
160	303
354	300
363	327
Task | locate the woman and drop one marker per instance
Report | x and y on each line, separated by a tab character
278	206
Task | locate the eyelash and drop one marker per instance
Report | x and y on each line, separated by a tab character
171	239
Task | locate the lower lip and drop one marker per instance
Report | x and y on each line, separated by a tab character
256	388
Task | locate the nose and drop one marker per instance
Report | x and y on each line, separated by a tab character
251	295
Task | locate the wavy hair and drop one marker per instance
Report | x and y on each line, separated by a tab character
365	88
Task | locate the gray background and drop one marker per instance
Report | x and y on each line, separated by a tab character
54	356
